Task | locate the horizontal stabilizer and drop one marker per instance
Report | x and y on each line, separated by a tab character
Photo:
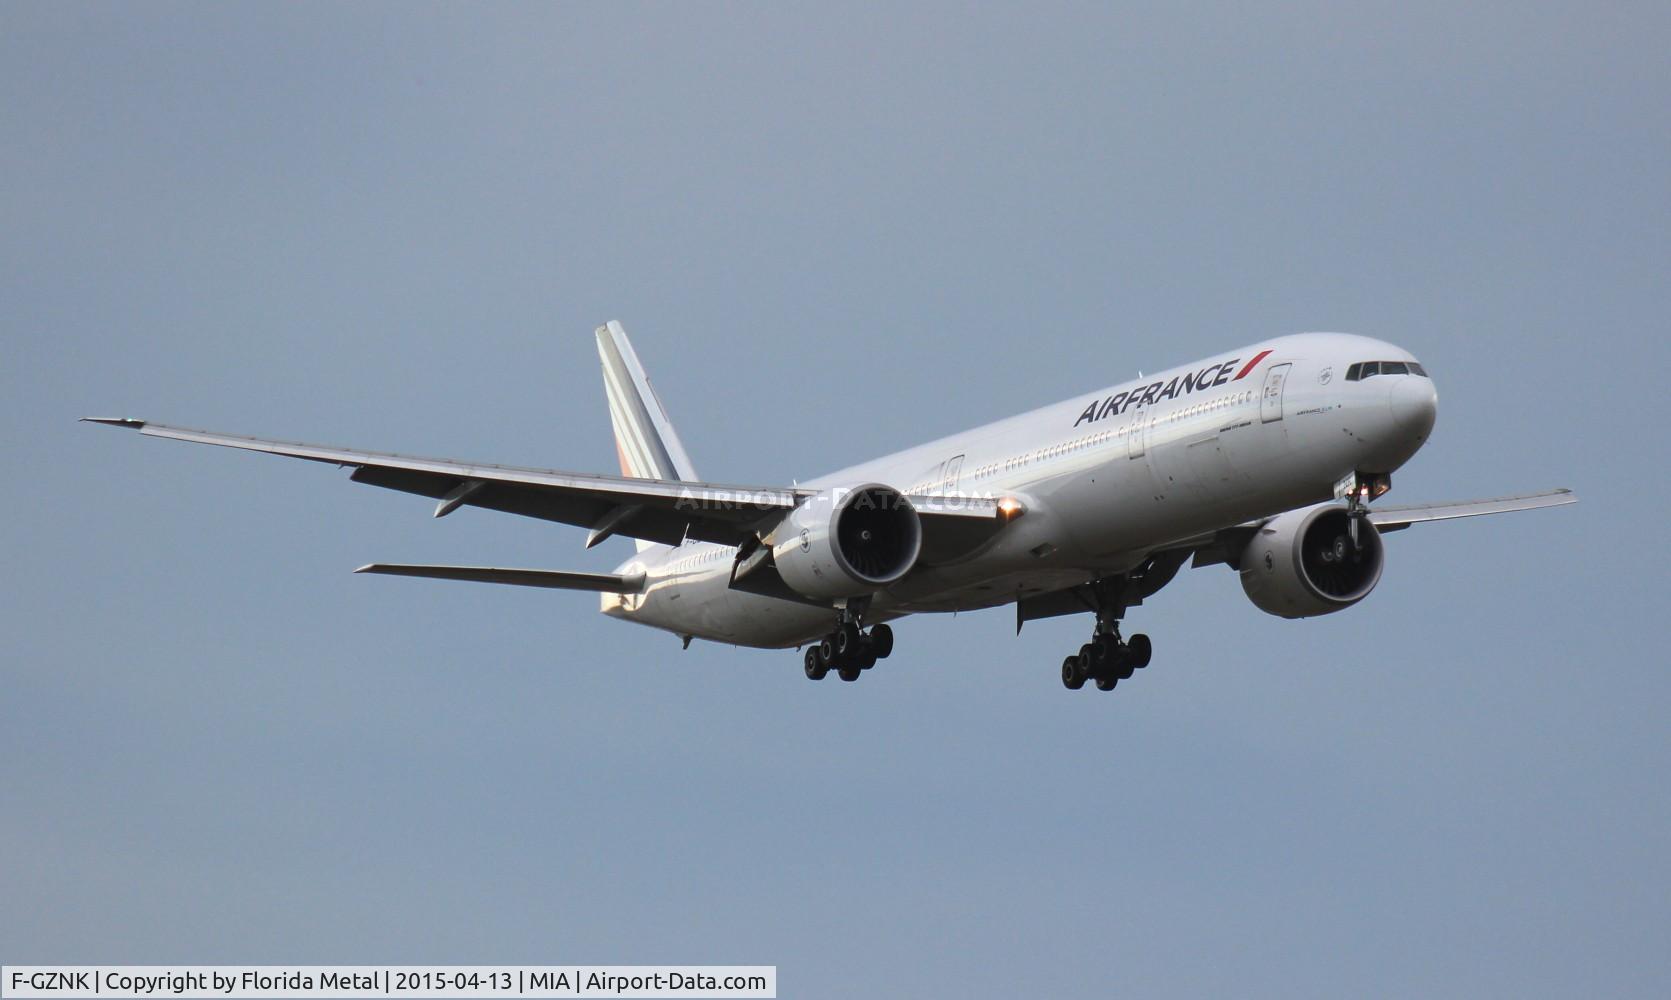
611	583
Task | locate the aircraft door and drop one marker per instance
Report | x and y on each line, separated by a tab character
1134	434
954	472
1270	404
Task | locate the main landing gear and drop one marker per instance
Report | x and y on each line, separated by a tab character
1107	658
849	650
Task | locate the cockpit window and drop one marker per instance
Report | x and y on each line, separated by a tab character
1369	369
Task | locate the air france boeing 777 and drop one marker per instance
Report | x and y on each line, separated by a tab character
1265	459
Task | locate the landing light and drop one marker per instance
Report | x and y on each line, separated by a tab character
1009	508
1362	487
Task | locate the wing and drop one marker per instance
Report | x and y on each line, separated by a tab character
1396	518
1225	547
556	579
658	510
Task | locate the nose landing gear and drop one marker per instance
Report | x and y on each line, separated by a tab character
1358	489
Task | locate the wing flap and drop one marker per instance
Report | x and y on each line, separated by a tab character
954	526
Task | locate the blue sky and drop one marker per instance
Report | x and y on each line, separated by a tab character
831	234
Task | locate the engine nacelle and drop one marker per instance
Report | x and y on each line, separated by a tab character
1303	563
848	542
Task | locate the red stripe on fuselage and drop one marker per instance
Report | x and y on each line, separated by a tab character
1250	365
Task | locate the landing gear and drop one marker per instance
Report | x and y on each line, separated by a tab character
848	641
1073	673
816	665
882	641
1357	489
849	650
1107	658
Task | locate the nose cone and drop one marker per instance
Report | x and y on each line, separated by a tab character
1415	405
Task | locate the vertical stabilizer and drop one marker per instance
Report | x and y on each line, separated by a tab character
648	446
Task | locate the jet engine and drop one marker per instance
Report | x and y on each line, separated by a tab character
1311	562
847	542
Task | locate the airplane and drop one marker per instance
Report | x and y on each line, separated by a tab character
1266	459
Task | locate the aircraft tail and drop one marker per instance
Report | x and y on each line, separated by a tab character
648	445
645	441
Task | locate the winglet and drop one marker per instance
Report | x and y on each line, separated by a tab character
115	421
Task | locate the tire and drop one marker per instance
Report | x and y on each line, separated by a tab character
1095	655
826	651
867	657
1106	682
1138	650
849	672
1117	659
816	666
882	640
848	639
1073	673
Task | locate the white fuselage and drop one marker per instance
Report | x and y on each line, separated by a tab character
1105	478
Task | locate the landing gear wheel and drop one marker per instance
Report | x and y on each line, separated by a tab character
882	641
847	640
816	666
826	651
867	657
1106	682
1073	673
1138	651
849	671
1095	655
